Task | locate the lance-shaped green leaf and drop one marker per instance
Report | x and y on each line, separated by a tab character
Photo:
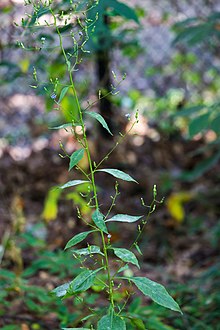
92	249
118	174
72	183
125	218
139	324
123	10
75	158
77	239
155	291
98	219
82	282
63	93
61	290
62	126
111	322
100	119
126	256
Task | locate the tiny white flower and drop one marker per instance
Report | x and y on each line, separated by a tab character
128	116
53	96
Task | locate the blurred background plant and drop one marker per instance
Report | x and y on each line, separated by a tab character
169	50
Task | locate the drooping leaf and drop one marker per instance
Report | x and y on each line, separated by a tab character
198	124
194	34
138	248
75	158
118	174
77	239
72	183
98	219
124	218
111	322
63	93
100	119
123	10
126	256
155	291
92	249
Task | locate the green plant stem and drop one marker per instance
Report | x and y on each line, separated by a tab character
110	283
151	209
115	146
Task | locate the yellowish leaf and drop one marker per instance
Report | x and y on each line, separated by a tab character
175	205
51	205
24	64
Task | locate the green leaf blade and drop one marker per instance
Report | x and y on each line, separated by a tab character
92	249
118	174
215	124
77	239
111	322
61	290
126	256
82	282
155	291
98	219
72	183
63	93
100	119
198	124
62	126
75	158
123	10
185	112
125	218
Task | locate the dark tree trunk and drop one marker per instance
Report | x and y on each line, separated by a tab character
104	85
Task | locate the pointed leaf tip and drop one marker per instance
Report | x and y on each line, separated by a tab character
75	158
77	239
155	291
100	119
72	183
118	174
125	218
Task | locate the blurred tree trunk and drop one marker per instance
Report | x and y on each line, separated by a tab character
103	64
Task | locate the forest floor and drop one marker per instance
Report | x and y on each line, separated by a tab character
175	251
